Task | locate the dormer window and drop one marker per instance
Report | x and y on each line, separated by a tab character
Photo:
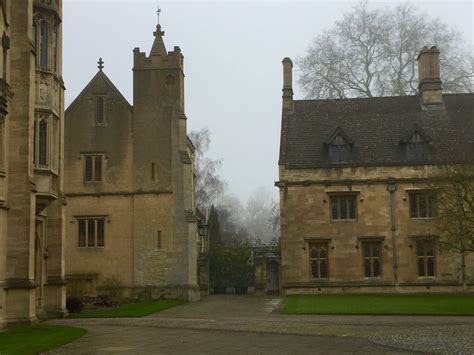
339	147
416	145
339	150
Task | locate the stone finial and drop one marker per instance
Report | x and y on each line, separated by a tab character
101	64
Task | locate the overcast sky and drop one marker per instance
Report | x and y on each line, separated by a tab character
233	53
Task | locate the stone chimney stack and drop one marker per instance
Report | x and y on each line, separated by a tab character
429	78
287	84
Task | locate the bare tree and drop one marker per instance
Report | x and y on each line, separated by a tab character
372	52
455	200
209	185
260	216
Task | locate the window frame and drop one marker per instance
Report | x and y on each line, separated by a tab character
431	207
311	246
94	157
372	258
3	128
86	220
425	257
346	196
339	150
97	99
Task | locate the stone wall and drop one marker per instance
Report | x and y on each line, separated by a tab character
305	218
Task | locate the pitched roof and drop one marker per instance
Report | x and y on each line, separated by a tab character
376	126
100	76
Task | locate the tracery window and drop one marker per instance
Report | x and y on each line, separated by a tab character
318	256
41	146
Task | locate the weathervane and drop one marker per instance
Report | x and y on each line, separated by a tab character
158	11
101	64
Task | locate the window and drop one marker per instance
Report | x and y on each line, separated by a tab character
41	147
343	207
43	50
91	233
318	256
2	142
158	240
423	204
417	148
35	34
93	168
371	258
339	150
99	110
425	254
55	48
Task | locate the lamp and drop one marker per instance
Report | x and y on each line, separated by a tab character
391	187
203	229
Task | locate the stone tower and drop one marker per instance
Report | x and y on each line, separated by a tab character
144	198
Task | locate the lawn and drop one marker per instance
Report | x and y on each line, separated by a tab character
37	338
421	304
131	310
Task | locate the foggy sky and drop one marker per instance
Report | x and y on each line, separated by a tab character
232	58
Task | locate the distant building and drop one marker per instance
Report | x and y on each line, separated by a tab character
131	216
32	283
356	211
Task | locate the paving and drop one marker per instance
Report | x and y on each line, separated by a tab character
253	325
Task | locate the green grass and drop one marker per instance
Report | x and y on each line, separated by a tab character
131	310
415	304
37	338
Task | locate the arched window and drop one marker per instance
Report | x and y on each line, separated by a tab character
43	50
35	34
43	142
99	110
55	48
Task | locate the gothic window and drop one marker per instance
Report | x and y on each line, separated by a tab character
55	145
423	204
318	256
371	259
339	150
41	146
2	142
343	207
91	232
425	253
35	34
99	110
93	168
43	49
55	48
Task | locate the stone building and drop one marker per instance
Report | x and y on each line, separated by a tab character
32	282
357	214
131	217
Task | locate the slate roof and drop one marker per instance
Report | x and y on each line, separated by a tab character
376	128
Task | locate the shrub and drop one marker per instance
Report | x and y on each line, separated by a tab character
112	287
74	304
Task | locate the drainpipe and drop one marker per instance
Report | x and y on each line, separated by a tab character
391	188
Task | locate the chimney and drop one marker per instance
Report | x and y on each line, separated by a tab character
429	79
287	84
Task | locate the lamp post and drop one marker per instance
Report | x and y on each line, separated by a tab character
392	188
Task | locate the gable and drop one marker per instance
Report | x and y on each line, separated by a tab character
100	84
